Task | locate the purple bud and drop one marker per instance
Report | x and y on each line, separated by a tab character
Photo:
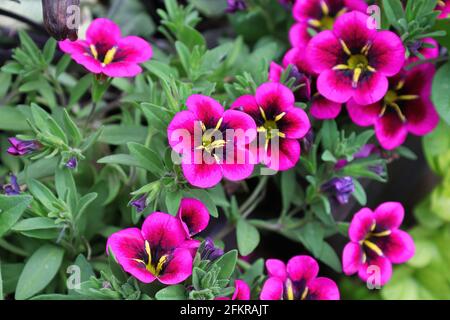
140	204
210	252
13	188
308	141
22	147
236	5
301	79
339	188
72	163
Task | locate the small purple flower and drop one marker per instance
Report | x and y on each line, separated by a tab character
339	188
72	163
236	5
13	188
140	204
22	147
211	252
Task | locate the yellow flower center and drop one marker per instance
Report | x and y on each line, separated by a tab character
270	127
109	56
149	266
392	98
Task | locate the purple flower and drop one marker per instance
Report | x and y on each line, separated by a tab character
140	204
339	188
22	147
210	251
13	188
377	241
72	163
236	5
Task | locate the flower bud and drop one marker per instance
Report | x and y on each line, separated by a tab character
60	20
339	188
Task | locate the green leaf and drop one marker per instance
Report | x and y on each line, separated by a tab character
39	270
123	159
177	292
1	282
72	129
86	271
62	65
11	209
394	12
123	134
441	92
359	193
173	200
247	237
11	119
205	197
288	189
42	194
227	264
329	134
147	158
37	223
49	50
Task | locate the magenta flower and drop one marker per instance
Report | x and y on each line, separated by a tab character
22	147
159	250
354	61
105	52
406	108
444	7
193	215
319	15
321	108
297	281
277	119
377	243
212	142
241	292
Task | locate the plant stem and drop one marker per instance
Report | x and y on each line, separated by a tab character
12	248
262	183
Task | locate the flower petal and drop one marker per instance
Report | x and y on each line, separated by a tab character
387	54
240	166
163	231
206	109
193	215
353	30
302	268
352	258
377	271
361	224
371	89
323	289
179	268
122	69
242	291
299	36
241	125
363	115
90	63
272	289
295	124
276	268
389	215
180	131
398	247
202	175
74	47
281	157
103	32
335	86
274	98
126	245
391	132
323	109
275	71
323	51
133	49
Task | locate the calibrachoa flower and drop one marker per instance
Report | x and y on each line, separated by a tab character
377	242
201	135
159	250
193	215
321	107
105	51
406	108
340	189
241	292
236	5
318	15
297	281
278	118
13	188
22	147
444	7
354	61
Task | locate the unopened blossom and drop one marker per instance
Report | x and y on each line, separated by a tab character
212	142
241	291
280	124
406	108
13	188
340	189
210	251
377	243
159	250
297	281
140	203
354	61
236	5
321	107
319	15
105	51
427	48
444	7
193	215
22	147
72	163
